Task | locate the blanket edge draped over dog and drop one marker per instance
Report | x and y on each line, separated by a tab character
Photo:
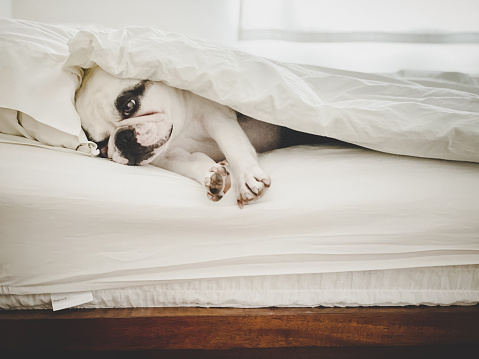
432	115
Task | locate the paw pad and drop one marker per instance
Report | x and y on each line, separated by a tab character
218	182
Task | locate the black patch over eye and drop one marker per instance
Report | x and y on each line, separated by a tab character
128	102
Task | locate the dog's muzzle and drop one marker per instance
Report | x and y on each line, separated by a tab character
138	144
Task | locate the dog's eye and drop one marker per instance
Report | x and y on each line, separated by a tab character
130	108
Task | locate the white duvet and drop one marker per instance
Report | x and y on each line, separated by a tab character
433	115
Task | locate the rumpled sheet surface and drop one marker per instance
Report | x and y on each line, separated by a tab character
73	223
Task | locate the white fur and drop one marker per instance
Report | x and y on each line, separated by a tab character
204	132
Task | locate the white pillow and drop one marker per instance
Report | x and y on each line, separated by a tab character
33	83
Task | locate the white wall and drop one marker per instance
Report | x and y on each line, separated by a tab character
213	20
218	21
6	8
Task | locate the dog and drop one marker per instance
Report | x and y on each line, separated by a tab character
136	122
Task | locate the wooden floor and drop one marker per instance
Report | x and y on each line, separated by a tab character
379	332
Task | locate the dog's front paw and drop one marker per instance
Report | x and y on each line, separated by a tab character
218	181
252	185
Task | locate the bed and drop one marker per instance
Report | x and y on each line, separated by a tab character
366	244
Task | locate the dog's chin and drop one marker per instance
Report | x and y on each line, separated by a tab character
155	154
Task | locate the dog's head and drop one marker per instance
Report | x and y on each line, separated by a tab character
132	121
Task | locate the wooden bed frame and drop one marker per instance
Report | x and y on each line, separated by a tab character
375	332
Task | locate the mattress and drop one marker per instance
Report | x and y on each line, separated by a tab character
340	215
449	285
389	219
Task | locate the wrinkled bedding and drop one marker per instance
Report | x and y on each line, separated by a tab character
434	115
70	222
406	198
423	114
442	285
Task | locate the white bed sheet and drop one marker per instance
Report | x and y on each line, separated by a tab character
74	223
449	285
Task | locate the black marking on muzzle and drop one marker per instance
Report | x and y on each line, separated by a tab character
130	149
103	147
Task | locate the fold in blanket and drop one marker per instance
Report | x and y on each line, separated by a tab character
433	115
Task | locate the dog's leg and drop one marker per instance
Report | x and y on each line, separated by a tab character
249	178
199	167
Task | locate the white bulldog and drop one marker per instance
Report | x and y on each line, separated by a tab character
135	122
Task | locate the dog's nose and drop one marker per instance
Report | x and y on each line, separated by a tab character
127	143
125	138
137	144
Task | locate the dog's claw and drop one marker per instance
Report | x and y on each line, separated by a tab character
266	181
251	185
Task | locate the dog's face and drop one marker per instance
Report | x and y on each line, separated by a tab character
132	121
